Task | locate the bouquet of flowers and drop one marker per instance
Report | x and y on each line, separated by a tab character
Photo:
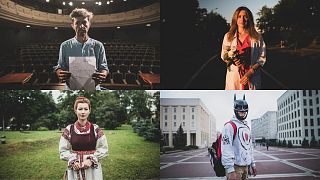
230	55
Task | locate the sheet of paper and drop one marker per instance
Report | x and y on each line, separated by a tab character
81	69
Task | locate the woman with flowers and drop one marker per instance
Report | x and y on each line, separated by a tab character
83	144
244	52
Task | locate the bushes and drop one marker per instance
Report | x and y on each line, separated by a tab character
305	143
150	131
42	129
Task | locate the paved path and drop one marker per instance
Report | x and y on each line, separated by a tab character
277	163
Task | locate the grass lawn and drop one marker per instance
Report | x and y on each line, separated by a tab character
34	155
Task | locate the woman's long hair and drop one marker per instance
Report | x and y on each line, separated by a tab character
249	26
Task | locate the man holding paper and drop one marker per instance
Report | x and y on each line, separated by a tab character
82	60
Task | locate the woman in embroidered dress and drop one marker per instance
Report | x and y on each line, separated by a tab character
83	145
244	73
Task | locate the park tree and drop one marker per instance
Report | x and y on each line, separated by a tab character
25	107
284	143
180	140
313	142
305	143
289	144
288	19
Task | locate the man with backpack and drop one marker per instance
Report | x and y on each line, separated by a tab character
236	144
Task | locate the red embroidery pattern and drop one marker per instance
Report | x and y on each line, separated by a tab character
84	128
99	133
66	134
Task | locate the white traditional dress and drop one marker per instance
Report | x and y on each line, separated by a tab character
80	143
258	55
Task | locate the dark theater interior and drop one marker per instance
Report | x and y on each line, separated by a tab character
32	31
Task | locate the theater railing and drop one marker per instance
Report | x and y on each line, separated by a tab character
15	12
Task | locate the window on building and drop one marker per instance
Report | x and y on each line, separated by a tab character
165	117
311	112
306	133
318	132
305	112
310	93
295	114
318	119
165	110
311	122
318	111
304	102
299	133
298	103
299	122
174	117
192	110
310	102
183	109
192	116
290	134
175	124
296	134
183	117
304	93
174	110
297	94
295	105
317	100
294	96
299	141
165	124
305	122
298	112
295	123
184	123
312	132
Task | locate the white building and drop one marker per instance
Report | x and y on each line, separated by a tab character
299	116
196	120
265	126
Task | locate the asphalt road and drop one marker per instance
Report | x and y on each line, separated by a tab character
277	163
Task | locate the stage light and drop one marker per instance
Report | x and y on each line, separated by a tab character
64	3
83	3
96	3
148	25
28	26
118	27
111	1
71	3
55	27
99	3
47	1
108	2
124	0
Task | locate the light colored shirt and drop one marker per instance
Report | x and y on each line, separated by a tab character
258	56
239	150
74	48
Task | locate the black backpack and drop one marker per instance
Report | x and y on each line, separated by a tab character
218	167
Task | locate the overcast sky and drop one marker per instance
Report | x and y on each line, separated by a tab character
227	7
220	103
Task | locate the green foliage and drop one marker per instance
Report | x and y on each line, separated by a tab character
284	143
305	143
40	156
289	144
42	129
313	142
279	143
180	140
288	19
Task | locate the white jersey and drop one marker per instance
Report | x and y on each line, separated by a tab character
239	150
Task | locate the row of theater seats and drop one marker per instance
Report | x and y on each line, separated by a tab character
125	62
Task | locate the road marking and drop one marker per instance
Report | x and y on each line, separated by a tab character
308	171
250	177
178	162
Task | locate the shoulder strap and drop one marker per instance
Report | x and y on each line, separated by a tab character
234	126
